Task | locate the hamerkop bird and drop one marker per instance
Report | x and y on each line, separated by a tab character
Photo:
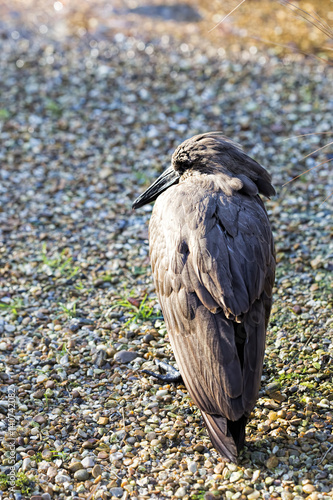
212	256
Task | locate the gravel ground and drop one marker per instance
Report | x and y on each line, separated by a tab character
86	122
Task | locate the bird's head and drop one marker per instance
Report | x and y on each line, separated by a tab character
186	156
211	153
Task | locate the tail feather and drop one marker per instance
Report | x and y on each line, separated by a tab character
227	437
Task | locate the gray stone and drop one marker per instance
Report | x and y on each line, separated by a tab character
258	456
46	496
125	356
10	328
81	475
117	492
192	467
88	462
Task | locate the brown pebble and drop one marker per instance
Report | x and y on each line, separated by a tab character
97	471
110	352
75	466
38	394
103	420
272	462
90	443
40	419
219	468
278	397
308	488
199	448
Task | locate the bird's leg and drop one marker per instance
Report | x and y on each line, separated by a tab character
172	375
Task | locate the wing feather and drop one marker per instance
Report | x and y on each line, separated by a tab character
213	263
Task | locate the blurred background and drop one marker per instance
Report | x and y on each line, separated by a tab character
253	23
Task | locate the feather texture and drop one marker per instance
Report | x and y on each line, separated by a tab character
212	257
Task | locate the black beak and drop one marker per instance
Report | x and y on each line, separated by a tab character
164	181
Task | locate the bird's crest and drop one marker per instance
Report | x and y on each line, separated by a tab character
213	152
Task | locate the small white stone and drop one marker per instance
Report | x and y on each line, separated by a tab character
62	478
88	462
254	495
116	456
192	467
256	475
160	394
26	464
236	476
10	328
181	492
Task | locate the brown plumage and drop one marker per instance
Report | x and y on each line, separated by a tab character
212	257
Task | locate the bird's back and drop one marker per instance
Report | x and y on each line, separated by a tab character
212	258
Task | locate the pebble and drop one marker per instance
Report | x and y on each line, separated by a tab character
26	464
46	454
38	394
286	495
272	462
309	488
193	467
181	492
161	393
81	475
75	466
169	463
148	338
88	445
125	356
52	471
88	462
117	492
254	495
236	476
40	419
151	436
10	328
199	448
62	478
103	421
258	456
97	471
219	468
